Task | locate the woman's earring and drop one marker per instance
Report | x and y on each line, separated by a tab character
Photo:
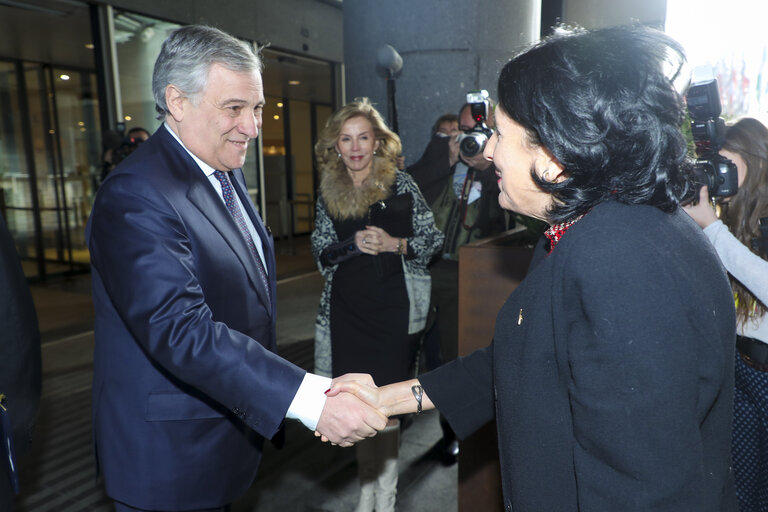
339	154
544	175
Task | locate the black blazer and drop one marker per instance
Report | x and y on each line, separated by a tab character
19	356
610	375
433	170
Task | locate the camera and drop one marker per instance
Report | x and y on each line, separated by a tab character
708	130
118	145
473	141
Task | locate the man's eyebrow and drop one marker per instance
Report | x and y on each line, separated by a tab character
230	101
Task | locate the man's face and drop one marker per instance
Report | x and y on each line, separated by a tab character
226	117
515	158
466	121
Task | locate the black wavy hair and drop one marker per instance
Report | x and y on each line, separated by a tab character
601	103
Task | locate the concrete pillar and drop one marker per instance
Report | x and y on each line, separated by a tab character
449	47
606	13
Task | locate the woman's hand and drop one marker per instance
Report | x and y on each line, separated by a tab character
702	212
374	240
389	400
367	392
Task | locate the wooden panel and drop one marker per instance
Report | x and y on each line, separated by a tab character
489	270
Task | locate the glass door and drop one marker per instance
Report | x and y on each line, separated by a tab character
17	168
71	180
49	162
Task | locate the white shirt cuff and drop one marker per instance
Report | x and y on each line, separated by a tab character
307	405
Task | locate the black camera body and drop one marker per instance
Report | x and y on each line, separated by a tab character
473	141
708	130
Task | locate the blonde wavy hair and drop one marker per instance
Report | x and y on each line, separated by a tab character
325	150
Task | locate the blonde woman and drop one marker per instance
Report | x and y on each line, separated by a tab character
373	238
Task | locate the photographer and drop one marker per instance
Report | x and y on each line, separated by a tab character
741	247
118	146
465	203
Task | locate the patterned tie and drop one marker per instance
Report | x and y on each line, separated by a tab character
234	209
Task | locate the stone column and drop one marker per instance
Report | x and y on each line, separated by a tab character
449	47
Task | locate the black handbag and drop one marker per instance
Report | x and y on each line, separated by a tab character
393	215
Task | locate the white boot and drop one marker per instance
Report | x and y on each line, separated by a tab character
388	447
367	470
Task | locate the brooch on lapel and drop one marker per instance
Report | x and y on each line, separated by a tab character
520	317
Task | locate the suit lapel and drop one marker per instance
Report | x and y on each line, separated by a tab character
204	197
202	194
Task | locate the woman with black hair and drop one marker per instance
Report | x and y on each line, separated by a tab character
741	246
610	375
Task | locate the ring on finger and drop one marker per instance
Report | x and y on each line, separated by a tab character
365	241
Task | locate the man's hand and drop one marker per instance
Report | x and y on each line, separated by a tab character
345	419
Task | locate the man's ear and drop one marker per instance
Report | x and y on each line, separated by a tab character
174	100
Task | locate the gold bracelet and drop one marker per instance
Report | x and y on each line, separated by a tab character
400	246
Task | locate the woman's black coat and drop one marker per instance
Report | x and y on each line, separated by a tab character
610	375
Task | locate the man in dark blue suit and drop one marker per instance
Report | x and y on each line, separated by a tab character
20	370
186	382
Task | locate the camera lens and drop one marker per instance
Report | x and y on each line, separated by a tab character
472	144
469	146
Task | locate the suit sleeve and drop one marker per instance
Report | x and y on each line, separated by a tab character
641	347
20	370
140	248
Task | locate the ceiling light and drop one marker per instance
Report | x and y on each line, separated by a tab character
293	82
64	77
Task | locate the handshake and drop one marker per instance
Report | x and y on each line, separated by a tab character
356	408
